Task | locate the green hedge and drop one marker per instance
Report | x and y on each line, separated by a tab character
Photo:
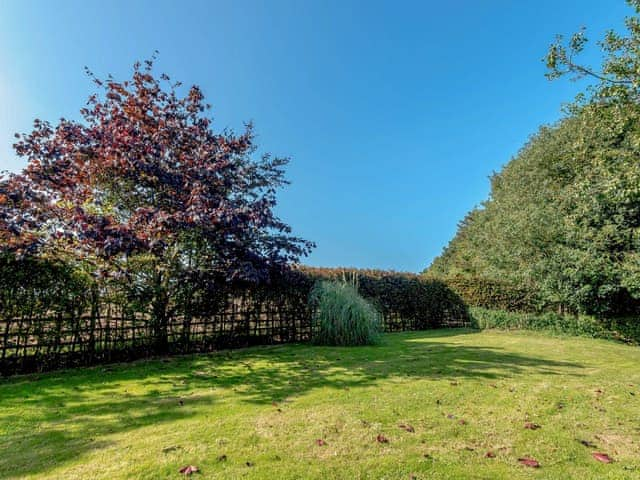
624	329
406	301
494	294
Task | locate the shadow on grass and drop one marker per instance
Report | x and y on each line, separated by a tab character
54	418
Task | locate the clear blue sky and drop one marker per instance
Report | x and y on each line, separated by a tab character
394	113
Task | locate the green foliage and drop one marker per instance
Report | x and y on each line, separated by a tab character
342	317
619	75
563	216
487	293
31	287
624	329
405	300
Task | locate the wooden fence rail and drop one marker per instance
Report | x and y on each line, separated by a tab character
60	334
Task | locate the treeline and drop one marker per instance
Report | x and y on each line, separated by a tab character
562	221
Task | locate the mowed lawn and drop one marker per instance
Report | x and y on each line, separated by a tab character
259	413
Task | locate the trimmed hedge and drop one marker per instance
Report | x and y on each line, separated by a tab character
53	317
406	301
494	294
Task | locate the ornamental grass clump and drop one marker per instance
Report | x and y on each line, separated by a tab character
342	317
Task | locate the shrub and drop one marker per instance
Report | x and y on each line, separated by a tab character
624	328
494	294
581	325
342	317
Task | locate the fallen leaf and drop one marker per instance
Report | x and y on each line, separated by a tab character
320	442
407	427
529	462
489	455
222	458
188	470
462	422
382	439
451	416
249	464
531	426
602	457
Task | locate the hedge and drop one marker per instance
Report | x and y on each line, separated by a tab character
494	294
402	298
622	329
52	316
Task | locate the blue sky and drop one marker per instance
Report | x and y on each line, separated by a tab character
394	113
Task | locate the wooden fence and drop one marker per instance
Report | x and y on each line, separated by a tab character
242	316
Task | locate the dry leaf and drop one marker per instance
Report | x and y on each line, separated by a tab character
529	462
188	470
602	457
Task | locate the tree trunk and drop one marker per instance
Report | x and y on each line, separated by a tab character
160	321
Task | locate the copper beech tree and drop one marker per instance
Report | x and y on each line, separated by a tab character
144	175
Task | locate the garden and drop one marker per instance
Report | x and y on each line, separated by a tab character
157	319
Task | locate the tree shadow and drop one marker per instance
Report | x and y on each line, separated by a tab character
73	409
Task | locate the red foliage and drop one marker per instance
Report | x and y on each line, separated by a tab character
140	171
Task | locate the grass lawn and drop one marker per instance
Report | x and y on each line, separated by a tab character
258	413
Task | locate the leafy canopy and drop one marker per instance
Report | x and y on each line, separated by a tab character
143	172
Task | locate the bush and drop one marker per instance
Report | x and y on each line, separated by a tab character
581	325
624	328
494	294
342	317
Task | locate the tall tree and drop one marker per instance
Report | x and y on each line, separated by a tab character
143	175
563	216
